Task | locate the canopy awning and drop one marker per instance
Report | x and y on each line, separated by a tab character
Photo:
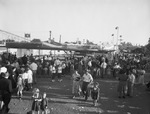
48	46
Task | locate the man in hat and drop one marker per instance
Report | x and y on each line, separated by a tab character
33	66
5	88
87	79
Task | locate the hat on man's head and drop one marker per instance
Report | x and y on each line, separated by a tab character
3	70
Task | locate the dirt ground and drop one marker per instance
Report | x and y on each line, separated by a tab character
61	102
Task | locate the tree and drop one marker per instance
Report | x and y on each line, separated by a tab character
127	46
147	48
144	49
36	41
149	41
10	40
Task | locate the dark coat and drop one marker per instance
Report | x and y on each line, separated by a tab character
6	90
5	85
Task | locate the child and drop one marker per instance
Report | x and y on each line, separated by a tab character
95	93
36	101
44	104
20	86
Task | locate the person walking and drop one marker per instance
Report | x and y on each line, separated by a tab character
53	73
5	89
103	68
87	79
122	77
76	84
30	78
33	67
95	92
141	76
59	73
44	103
20	86
130	83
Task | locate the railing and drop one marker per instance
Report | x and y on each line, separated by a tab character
4	35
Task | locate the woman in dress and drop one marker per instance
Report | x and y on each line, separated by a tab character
76	84
141	76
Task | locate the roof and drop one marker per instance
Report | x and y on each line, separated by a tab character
48	46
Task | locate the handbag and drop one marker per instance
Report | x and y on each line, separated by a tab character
90	85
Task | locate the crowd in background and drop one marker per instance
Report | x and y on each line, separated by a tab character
99	66
123	67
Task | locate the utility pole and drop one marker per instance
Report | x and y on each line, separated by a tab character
113	41
50	35
60	39
117	28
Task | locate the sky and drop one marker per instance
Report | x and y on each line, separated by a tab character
94	20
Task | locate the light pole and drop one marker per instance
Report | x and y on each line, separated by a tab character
50	35
113	40
103	46
117	28
120	40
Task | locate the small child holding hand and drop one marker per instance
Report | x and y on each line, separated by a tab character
95	91
44	104
20	85
36	101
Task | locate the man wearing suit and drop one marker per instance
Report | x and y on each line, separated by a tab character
5	88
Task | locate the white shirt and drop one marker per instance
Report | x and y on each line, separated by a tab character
57	62
33	66
20	81
132	78
30	79
90	63
76	76
63	66
87	77
25	75
117	67
59	69
104	65
50	68
53	70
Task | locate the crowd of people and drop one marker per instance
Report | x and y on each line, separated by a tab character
20	74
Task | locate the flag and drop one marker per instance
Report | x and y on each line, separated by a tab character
117	27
